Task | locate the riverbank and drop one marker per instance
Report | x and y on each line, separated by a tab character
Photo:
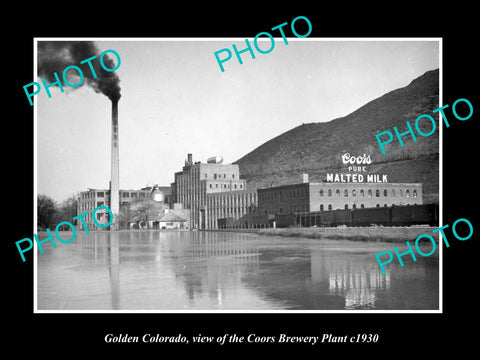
372	233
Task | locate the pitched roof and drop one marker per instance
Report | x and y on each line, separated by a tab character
172	217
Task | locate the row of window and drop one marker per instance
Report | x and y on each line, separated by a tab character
90	205
302	193
370	193
304	208
91	194
125	194
219	176
225	186
289	194
100	216
133	194
219	201
353	207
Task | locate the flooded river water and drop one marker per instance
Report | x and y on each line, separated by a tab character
183	270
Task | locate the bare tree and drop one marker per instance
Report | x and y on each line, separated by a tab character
46	212
144	210
68	209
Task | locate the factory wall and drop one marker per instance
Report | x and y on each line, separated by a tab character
308	197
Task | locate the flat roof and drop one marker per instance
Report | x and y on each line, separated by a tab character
341	183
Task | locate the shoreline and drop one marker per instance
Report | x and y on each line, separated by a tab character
393	234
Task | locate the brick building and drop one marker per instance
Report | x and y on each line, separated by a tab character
310	197
211	190
229	205
92	198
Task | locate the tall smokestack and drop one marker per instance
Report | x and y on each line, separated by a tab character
114	182
54	57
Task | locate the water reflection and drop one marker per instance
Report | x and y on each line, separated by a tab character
114	268
210	263
176	270
358	288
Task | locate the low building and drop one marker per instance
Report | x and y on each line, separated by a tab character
174	219
310	197
93	198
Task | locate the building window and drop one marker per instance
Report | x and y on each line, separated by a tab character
216	185
354	206
345	192
215	176
100	203
393	192
233	176
401	193
134	195
330	192
384	205
210	186
377	193
235	186
100	194
370	193
385	193
346	206
414	193
321	207
241	186
362	193
321	193
329	206
362	206
354	192
337	193
224	186
224	176
407	193
378	205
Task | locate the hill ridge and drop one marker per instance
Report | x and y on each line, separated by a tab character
316	147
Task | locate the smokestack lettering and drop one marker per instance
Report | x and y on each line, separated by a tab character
114	171
54	56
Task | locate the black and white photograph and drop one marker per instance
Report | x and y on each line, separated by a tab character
224	180
261	187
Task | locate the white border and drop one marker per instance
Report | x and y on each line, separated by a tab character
440	292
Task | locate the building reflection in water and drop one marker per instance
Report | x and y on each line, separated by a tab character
168	270
208	265
103	247
359	288
114	268
211	263
355	279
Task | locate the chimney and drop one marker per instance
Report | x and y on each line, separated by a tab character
114	182
189	158
305	178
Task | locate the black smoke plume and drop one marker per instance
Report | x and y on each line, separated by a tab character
55	56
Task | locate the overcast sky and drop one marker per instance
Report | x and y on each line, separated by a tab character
175	100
